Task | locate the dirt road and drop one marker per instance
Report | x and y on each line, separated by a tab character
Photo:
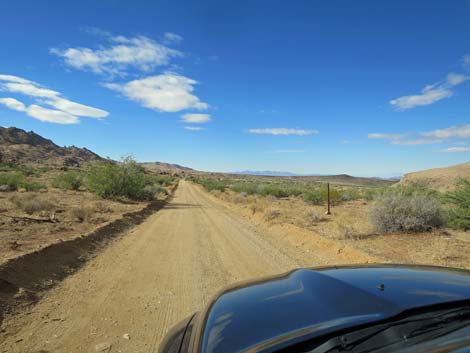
162	271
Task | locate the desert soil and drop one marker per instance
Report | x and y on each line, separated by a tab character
126	298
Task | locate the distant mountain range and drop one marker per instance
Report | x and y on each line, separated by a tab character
287	174
264	173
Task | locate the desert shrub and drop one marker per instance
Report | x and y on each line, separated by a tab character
70	180
163	180
212	184
459	214
248	188
272	214
396	211
114	181
31	203
151	190
14	180
314	196
81	214
316	217
350	195
273	190
17	180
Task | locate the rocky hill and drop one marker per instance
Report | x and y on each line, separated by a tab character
161	167
442	179
27	147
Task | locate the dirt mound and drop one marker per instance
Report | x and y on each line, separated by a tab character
23	147
442	179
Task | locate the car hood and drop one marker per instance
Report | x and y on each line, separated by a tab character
309	303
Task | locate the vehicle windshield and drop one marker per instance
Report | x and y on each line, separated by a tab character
397	335
154	154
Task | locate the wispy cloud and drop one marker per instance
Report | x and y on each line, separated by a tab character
171	37
65	112
431	93
267	111
194	128
438	136
168	92
382	136
455	149
416	142
282	131
193	118
118	54
466	61
459	132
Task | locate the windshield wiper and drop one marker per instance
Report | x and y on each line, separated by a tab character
407	331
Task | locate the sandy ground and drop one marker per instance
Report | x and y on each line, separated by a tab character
157	274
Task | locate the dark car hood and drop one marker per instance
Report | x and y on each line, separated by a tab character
311	303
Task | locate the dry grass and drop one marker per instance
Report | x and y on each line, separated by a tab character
71	214
442	179
349	225
31	202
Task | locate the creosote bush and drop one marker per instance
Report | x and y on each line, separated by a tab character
70	180
16	180
406	209
459	215
126	180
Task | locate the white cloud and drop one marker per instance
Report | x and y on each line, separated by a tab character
13	104
459	132
427	97
382	136
431	93
66	112
120	53
455	149
76	108
37	112
194	128
282	131
168	92
196	118
416	142
11	78
456	79
172	37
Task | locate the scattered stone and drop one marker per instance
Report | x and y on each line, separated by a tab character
103	347
4	188
126	336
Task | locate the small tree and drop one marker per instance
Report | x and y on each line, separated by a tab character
459	215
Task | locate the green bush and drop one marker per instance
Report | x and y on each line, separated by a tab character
70	180
212	184
396	211
459	215
17	180
314	196
114	181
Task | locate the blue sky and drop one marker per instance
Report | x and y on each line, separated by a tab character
363	87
